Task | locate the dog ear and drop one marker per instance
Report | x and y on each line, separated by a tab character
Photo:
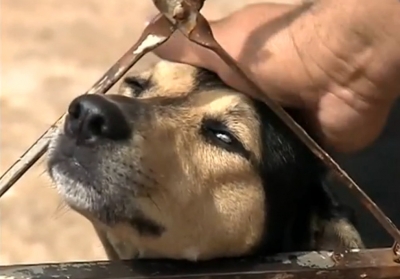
336	233
334	224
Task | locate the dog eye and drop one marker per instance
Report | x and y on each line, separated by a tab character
136	85
224	137
217	133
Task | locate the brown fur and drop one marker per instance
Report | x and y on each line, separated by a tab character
204	202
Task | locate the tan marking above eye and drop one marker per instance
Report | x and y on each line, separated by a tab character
166	79
236	113
173	78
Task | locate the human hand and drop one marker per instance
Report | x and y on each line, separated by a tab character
322	59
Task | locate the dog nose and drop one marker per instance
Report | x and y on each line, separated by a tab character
92	117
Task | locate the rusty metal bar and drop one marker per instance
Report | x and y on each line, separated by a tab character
375	264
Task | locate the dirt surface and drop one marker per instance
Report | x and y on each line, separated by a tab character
52	51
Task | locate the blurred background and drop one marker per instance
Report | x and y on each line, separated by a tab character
54	50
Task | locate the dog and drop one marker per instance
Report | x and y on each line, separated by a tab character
177	165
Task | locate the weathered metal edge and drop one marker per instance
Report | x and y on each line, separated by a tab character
373	263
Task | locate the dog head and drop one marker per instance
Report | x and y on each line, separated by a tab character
178	165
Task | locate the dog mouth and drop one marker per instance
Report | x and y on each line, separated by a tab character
78	174
72	161
75	171
92	181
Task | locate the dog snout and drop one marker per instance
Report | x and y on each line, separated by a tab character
93	117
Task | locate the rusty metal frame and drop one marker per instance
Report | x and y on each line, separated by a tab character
362	264
184	16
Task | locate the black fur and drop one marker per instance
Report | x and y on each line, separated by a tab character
146	227
205	79
292	178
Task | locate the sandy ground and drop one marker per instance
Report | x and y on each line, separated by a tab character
51	51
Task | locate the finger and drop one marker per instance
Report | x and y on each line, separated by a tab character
179	49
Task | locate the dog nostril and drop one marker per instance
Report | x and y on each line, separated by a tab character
74	110
97	125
